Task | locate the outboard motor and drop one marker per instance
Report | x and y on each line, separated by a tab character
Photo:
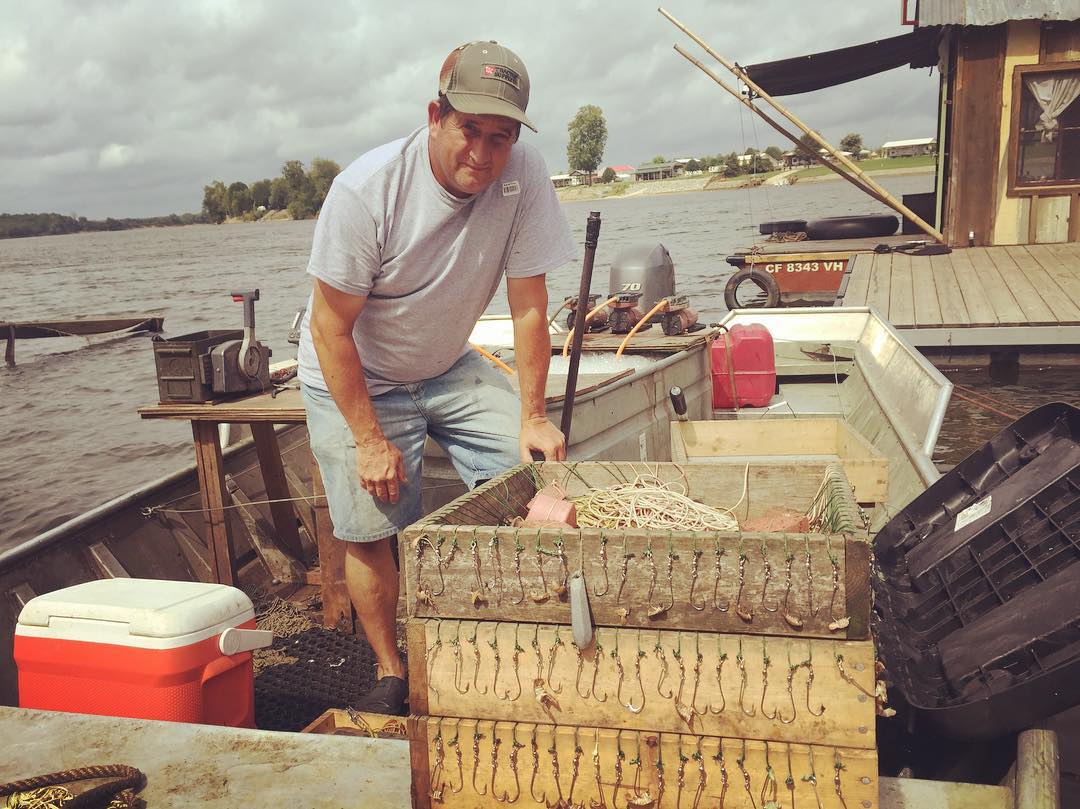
645	269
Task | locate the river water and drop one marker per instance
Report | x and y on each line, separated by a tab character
69	431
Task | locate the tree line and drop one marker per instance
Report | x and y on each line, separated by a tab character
20	225
587	138
299	192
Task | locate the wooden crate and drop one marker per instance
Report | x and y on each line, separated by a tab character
813	443
734	773
345	722
465	562
453	672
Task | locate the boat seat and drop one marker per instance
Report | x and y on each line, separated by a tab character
795	400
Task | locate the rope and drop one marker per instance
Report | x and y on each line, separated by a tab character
1009	416
984	399
648	502
52	794
488	355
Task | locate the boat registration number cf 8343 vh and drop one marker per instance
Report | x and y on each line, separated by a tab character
805	266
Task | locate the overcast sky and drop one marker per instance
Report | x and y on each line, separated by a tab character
128	108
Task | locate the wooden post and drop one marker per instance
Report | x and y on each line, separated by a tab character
1074	217
1038	776
893	203
277	488
212	487
337	608
1033	218
9	350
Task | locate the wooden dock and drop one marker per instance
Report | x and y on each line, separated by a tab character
75	327
1021	299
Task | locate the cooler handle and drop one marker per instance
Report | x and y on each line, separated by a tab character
233	641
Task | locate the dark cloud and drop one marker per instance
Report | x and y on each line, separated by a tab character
118	108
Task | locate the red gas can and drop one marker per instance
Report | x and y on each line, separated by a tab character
743	367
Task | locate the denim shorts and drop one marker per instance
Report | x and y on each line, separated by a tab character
471	411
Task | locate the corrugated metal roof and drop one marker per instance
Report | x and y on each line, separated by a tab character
992	12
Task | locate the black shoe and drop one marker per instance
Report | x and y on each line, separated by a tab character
387	697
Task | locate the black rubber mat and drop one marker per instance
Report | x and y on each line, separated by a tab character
332	670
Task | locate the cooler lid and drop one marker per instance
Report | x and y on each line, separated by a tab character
150	607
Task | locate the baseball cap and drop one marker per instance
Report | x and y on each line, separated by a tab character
486	78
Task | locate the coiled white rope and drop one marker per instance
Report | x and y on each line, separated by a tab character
648	502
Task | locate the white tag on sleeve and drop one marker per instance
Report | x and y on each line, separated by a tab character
511	188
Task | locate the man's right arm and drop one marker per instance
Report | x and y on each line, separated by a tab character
333	314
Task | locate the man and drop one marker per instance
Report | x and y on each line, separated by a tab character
412	242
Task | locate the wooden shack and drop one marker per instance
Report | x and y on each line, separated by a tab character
1009	166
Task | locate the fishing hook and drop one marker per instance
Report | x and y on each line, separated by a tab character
598	656
718	553
536	768
432	654
580	669
435	790
553	750
719	759
741	761
518	651
811	777
477	736
700	759
809	664
495	557
671	557
680	776
699	658
597	775
457	756
518	548
574	768
809	579
694	577
494	644
768	795
721	657
620	756
765	663
515	748
746	615
766	579
476	667
555	645
495	742
626	557
838	766
603	560
658	651
459	663
742	684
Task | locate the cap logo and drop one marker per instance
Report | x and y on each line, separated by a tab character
502	73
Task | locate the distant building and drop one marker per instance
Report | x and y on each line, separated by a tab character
909	148
747	159
659	171
622	173
560	180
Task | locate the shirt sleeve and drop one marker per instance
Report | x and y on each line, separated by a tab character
345	252
542	240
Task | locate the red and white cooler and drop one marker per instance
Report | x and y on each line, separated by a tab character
143	648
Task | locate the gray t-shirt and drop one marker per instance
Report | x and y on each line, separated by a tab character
428	262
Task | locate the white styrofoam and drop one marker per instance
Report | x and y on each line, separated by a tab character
145	613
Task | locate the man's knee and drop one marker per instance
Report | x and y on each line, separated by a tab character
367	551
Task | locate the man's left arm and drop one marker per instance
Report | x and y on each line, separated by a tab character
532	351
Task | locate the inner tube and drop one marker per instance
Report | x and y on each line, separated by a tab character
762	280
782	226
852	227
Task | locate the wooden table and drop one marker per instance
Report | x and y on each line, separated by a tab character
261	412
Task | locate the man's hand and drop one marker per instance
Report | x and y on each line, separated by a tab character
541	435
381	466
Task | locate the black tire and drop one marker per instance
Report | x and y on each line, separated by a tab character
852	227
782	226
762	280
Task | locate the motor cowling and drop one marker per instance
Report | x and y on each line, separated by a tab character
646	269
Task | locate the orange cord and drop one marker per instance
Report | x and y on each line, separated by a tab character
659	307
493	358
588	317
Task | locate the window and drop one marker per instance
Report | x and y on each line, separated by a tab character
1044	146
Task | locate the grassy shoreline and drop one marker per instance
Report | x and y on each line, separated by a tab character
684	185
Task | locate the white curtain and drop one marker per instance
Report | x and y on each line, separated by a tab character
1054	96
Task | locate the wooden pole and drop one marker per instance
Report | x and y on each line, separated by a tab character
1037	770
785	132
741	74
592	236
9	350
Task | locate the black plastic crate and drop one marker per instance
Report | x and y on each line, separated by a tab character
977	613
183	364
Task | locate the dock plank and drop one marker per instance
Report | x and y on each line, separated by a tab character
902	302
877	294
1062	267
950	298
980	310
924	291
1036	312
859	284
999	294
1056	298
